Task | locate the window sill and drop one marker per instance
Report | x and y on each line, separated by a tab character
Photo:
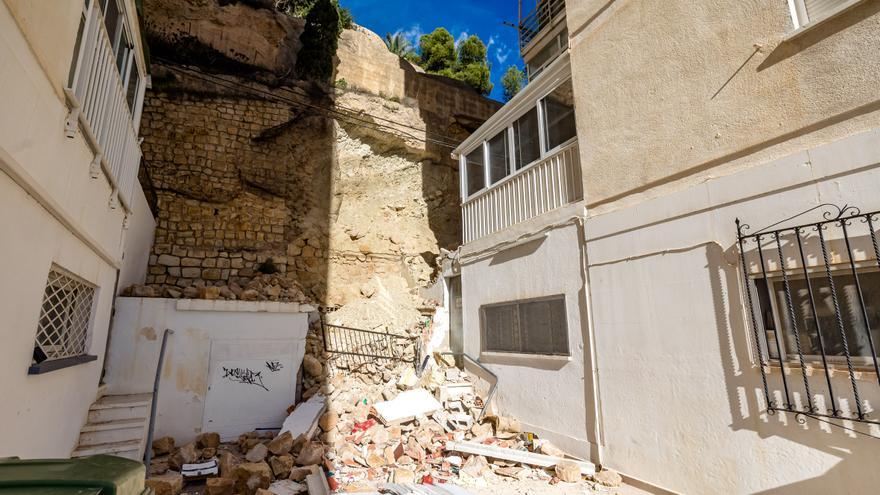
809	26
57	364
523	357
861	372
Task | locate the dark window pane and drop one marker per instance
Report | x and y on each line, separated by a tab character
528	327
122	55
825	319
501	333
559	115
525	139
498	157
475	170
111	20
134	80
76	48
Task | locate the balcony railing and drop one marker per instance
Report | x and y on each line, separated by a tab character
98	105
542	17
546	185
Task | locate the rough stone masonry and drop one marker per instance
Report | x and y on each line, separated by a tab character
266	177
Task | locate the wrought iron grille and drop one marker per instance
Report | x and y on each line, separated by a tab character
813	296
63	327
543	15
354	347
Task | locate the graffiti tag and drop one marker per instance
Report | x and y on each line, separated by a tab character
244	375
274	365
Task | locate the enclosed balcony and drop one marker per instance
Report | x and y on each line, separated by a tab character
543	35
524	161
105	94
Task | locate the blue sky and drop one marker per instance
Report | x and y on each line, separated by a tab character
461	17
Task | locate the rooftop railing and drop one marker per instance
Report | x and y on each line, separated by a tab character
535	21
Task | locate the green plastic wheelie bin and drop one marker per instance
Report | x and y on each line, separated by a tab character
96	475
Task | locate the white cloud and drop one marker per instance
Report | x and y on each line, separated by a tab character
413	34
491	42
502	53
461	37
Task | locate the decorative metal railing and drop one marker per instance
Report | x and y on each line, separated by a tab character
543	16
813	297
350	348
547	185
98	105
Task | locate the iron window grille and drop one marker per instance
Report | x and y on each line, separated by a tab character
63	327
813	297
533	326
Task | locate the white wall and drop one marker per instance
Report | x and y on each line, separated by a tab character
51	211
198	326
138	241
548	395
681	399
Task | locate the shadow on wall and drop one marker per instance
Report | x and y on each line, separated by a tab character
857	453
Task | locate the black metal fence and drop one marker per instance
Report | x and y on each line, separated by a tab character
813	296
354	347
543	15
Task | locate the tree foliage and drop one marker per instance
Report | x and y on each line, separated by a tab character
437	51
513	81
301	8
398	44
320	39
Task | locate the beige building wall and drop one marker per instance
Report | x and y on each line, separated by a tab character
690	115
670	92
51	212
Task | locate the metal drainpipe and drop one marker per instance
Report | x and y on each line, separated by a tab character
148	451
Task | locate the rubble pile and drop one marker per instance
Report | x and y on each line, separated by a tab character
408	429
262	287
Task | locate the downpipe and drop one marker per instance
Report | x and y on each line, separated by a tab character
148	450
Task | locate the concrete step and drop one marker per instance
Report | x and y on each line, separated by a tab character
118	414
119	424
89	438
121	401
113	448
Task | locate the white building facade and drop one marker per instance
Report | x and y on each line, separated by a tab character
72	80
700	358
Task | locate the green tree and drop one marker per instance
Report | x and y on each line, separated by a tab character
437	50
320	39
512	81
398	44
301	8
471	51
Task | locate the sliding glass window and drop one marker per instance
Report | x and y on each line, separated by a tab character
527	147
559	124
475	169
499	160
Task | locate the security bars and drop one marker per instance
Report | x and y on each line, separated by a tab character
813	296
63	327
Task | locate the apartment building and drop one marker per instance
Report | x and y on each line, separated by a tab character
685	285
74	218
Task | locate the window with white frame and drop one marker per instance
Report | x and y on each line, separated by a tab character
63	327
558	110
534	326
552	117
821	327
527	147
499	162
809	11
475	168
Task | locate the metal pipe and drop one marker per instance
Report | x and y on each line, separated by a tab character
148	451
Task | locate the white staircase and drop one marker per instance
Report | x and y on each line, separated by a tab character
116	425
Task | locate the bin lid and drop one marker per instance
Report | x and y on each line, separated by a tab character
100	474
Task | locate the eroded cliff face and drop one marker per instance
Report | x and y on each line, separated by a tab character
343	189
